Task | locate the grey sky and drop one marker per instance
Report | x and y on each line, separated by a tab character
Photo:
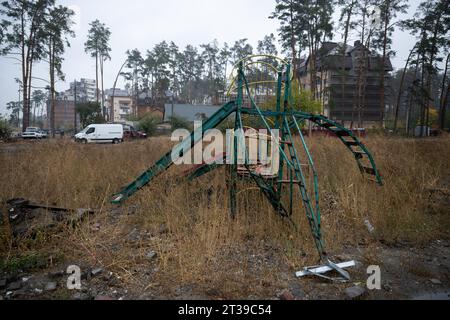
143	23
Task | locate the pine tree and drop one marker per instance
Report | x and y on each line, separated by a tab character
431	26
97	45
21	25
388	12
55	36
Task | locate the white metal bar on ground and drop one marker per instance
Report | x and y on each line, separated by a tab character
324	269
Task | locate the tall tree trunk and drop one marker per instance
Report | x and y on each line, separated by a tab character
52	89
383	65
410	104
431	65
96	77
294	51
344	51
443	106
103	92
402	81
422	98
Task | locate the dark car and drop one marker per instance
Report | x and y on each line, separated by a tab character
130	133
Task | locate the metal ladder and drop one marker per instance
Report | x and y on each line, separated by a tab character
312	214
358	149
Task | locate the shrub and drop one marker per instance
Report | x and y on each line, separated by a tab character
5	130
90	113
148	125
180	123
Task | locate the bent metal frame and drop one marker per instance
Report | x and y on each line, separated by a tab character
278	190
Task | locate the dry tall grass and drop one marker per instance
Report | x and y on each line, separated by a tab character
188	225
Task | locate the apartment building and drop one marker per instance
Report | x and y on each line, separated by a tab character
348	85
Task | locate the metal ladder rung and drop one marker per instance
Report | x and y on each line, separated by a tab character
369	170
351	143
327	125
289	181
360	154
342	133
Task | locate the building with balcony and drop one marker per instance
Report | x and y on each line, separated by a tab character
119	104
348	85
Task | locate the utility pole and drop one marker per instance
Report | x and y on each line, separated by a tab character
75	108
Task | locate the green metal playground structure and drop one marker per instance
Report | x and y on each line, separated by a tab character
278	190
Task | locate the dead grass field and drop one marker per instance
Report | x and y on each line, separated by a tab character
188	226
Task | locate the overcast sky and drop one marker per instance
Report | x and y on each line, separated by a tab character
143	23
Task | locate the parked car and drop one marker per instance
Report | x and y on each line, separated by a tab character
130	132
32	133
44	134
101	133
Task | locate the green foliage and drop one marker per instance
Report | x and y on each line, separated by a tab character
300	100
303	100
90	113
98	40
5	129
180	123
148	124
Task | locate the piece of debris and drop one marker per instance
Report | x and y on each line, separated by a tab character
26	217
286	295
51	286
151	254
38	291
96	272
330	266
435	281
355	292
369	226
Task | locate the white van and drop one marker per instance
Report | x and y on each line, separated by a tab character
101	133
